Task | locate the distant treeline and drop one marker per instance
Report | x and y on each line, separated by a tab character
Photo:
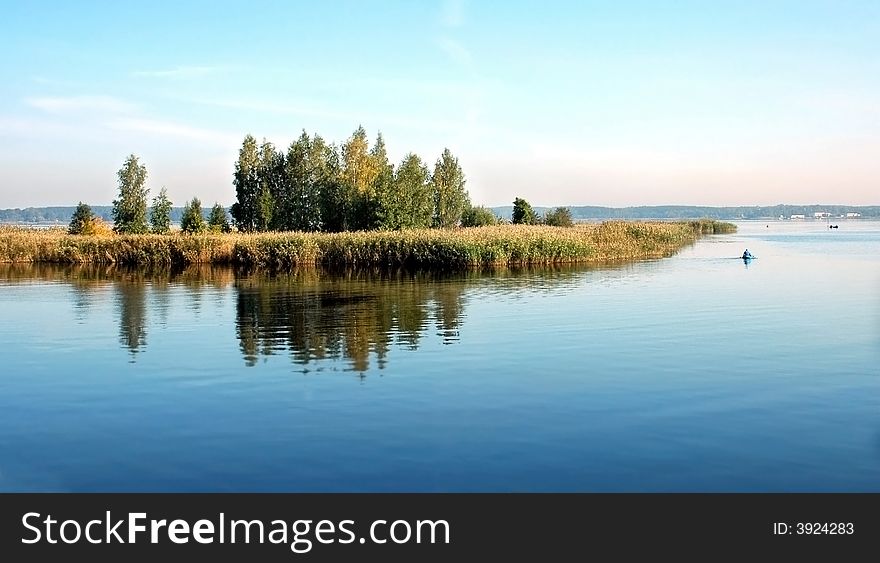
697	212
62	214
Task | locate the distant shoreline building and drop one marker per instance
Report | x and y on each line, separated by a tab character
798	217
853	215
821	215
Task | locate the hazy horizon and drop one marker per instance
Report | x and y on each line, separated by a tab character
617	105
540	205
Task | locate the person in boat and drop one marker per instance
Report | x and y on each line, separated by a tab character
747	255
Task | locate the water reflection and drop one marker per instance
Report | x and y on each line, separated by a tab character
649	377
89	287
351	316
312	316
131	303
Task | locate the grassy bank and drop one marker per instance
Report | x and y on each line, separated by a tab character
712	227
435	248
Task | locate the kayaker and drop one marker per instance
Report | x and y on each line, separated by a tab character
747	254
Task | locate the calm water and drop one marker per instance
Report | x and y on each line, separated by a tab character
693	373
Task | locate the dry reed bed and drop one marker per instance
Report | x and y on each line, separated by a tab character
434	248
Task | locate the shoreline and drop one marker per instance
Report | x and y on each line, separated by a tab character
433	249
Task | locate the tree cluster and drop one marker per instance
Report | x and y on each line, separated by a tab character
193	219
131	214
523	214
478	217
85	222
316	186
313	186
559	217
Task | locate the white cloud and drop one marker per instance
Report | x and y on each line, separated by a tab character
179	72
69	104
31	128
308	109
300	108
88	116
46	81
172	129
453	13
456	51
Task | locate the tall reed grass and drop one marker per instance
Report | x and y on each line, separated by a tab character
509	245
712	227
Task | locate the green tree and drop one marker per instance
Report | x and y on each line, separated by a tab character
358	174
271	185
81	221
478	217
217	221
412	185
192	220
450	196
288	202
245	211
327	177
523	214
160	213
384	210
300	204
130	208
315	186
559	217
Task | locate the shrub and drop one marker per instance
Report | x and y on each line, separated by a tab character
523	214
478	217
160	213
217	221
81	220
192	221
559	217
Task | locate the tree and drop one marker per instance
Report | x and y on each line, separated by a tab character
289	212
81	221
358	174
299	206
450	196
245	210
478	217
160	213
271	185
327	177
523	214
192	220
217	221
384	210
130	208
559	217
322	166
315	186
412	185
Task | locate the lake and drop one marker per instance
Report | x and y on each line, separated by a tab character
697	372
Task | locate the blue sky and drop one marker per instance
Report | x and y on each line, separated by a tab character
602	103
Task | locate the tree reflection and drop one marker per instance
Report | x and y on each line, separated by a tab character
351	316
131	301
356	317
449	310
